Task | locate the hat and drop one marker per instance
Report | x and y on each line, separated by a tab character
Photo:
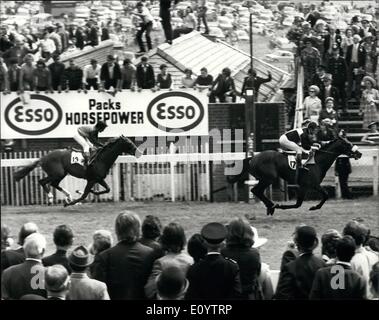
306	236
258	242
357	36
327	76
329	99
315	88
368	78
110	57
373	123
214	232
80	257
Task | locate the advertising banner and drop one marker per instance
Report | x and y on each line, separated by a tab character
146	113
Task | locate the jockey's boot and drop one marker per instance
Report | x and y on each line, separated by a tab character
86	156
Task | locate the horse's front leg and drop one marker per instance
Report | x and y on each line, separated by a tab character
325	197
85	194
103	184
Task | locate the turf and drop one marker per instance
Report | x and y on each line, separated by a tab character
86	218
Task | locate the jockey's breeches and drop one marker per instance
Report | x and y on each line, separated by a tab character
85	143
289	145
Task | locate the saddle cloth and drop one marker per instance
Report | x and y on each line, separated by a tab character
291	157
77	157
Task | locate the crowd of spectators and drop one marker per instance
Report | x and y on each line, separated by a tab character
151	261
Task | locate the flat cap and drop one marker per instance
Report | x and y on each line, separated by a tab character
214	232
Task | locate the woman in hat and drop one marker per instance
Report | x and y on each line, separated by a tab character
347	40
312	104
369	102
310	59
372	137
329	112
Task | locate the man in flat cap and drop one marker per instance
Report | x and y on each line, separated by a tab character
328	90
214	277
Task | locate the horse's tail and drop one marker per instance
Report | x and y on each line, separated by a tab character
23	172
233	179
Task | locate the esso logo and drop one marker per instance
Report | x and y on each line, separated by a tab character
175	112
40	116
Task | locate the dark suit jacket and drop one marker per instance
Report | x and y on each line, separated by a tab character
59	257
254	83
338	69
145	80
354	287
214	277
104	72
18	280
288	256
125	269
361	55
296	278
338	42
334	93
10	258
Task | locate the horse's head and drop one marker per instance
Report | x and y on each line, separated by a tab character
129	147
344	146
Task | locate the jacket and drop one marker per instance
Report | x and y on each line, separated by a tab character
84	288
59	257
145	80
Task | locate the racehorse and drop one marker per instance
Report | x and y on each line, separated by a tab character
269	165
58	163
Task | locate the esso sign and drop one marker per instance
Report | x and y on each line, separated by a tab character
41	115
175	112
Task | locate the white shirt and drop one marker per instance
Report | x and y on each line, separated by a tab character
110	70
48	45
90	73
145	15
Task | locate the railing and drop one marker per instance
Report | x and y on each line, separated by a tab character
299	98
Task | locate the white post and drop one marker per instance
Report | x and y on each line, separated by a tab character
207	171
338	188
172	173
116	182
375	174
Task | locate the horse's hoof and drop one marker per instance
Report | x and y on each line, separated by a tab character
271	210
314	208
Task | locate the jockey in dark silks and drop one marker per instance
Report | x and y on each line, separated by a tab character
87	137
300	140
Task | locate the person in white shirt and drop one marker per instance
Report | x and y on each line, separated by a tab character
47	46
189	23
91	75
145	26
312	104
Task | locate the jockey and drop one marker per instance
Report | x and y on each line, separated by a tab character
300	140
87	137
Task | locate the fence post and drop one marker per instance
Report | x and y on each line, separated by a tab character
207	172
116	182
172	173
375	174
337	187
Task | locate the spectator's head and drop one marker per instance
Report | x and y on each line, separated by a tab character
45	35
111	59
365	23
329	102
128	225
19	42
356	38
173	238
369	82
197	247
345	248
127	61
26	230
79	259
355	19
306	26
321	70
29	59
357	230
171	283
329	242
306	239
56	57
151	227
144	60
41	64
140	6
204	72
373	126
5	232
163	68
102	240
50	29
374	280
57	281
188	73
327	79
332	29
72	64
252	72
314	90
189	10
214	234
226	72
336	52
349	32
93	62
34	246
63	237
308	42
239	234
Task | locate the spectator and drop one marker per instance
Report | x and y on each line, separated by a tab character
291	252
5	244
56	38
204	80
57	71
164	80
131	261
328	91
4	83
331	41
310	59
363	260
14	72
102	240
93	37
57	282
319	76
353	288
91	75
72	77
151	232
355	60
173	241
188	81
215	277
5	43
63	238
197	247
329	113
338	69
374	281
347	40
18	51
371	58
369	102
255	82
26	73
329	242
145	75
104	34
146	25
42	77
17	279
47	46
296	278
189	23
366	30
165	15
110	74
82	287
128	75
372	137
202	15
239	242
223	87
171	284
80	38
64	35
312	104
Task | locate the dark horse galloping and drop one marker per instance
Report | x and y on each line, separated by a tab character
57	164
268	166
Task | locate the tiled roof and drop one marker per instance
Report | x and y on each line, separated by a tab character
195	51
